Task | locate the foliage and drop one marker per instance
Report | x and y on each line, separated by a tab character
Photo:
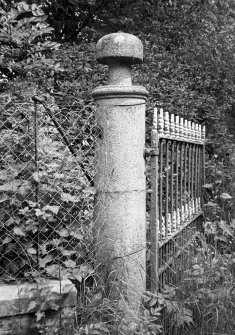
45	302
46	207
189	49
26	43
203	301
46	199
207	291
47	48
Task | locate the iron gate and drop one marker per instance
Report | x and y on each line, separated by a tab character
177	177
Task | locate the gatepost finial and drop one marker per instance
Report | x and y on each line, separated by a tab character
119	51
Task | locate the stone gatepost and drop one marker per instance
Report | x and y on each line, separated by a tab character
120	210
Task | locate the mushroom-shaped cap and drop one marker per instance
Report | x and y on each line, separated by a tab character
120	47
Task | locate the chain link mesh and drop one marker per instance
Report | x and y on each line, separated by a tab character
46	190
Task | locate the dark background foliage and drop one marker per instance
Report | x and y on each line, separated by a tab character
47	48
189	52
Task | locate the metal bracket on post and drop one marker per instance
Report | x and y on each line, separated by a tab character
150	152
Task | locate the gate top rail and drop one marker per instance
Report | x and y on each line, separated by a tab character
172	126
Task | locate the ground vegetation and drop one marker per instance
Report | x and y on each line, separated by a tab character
48	50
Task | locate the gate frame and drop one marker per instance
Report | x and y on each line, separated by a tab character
175	130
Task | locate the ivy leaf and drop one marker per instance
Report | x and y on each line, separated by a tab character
211	204
32	227
7	240
23	7
11	186
67	288
85	270
77	235
89	190
76	274
32	306
32	251
4	175
39	212
35	176
184	315
24	210
208	186
70	264
39	315
58	175
226	228
57	241
19	231
67	197
43	261
53	209
32	203
53	296
153	302
221	238
63	232
91	2
53	270
67	252
37	11
4	198
225	196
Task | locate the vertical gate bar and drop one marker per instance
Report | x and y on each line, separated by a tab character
203	164
203	159
161	262
167	188
177	210
168	226
189	179
203	171
200	176
161	174
168	253
184	172
172	186
165	278
193	170
192	179
196	173
162	145
165	169
196	179
154	208
177	186
182	148
186	150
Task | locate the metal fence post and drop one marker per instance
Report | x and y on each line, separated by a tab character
120	210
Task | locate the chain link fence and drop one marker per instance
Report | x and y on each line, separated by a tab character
46	189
